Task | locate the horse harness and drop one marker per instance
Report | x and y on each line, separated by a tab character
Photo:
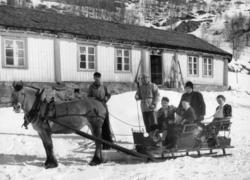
50	106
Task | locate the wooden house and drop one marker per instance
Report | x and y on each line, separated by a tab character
39	46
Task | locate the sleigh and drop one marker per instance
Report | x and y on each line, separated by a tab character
187	143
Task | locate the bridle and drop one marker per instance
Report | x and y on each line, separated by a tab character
33	112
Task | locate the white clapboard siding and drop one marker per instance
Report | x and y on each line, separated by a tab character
106	64
69	63
40	54
218	70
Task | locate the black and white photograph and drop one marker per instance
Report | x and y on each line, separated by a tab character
124	89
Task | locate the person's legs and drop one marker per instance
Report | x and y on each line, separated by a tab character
145	116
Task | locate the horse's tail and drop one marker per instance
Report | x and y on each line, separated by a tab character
106	131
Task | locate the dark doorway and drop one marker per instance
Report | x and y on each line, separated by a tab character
156	69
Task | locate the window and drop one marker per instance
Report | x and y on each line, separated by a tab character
123	60
193	66
86	57
14	53
207	66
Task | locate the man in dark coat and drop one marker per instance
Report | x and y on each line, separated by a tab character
196	102
98	91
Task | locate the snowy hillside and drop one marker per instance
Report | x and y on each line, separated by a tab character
22	153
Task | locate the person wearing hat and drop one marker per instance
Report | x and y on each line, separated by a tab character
148	93
196	101
100	92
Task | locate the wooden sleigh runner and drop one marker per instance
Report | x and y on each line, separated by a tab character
187	143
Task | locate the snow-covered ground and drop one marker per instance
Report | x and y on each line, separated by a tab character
22	153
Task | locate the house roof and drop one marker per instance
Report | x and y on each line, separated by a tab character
37	20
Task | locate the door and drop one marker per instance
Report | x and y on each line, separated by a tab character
156	69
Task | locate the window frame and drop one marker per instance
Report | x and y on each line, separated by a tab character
193	75
203	67
123	60
79	69
15	51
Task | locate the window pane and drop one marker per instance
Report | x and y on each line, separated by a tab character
126	53
20	53
195	60
209	61
210	73
9	52
126	60
119	60
83	57
205	70
190	71
8	44
195	71
91	58
195	66
20	44
126	67
205	61
83	65
91	66
119	67
21	61
190	59
9	61
91	50
83	50
119	53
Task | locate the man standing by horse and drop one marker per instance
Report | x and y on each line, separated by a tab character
100	92
148	93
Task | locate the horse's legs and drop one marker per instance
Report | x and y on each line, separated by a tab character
51	161
97	131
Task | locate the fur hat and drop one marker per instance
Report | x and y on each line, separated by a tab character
97	74
189	84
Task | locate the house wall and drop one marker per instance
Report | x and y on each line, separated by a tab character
218	69
40	59
105	59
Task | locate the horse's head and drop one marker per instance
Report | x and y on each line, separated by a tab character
22	97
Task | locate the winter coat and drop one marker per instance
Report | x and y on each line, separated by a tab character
99	92
149	95
196	102
227	110
165	115
189	116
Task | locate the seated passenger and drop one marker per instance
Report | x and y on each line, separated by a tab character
165	115
222	114
223	111
188	116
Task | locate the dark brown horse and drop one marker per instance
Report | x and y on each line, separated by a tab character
38	112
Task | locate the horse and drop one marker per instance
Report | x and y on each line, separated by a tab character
38	112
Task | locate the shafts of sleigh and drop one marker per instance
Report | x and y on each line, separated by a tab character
114	146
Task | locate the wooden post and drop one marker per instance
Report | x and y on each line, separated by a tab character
57	60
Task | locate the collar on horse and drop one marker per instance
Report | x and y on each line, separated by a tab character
33	113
